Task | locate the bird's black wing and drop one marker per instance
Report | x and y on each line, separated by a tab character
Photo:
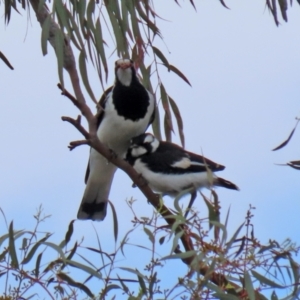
101	105
100	114
213	166
172	159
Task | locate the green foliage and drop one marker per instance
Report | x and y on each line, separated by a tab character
249	268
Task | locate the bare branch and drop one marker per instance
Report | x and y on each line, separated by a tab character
42	12
76	123
75	144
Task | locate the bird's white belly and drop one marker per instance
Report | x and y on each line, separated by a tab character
172	184
116	132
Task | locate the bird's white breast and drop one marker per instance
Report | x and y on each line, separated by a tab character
116	132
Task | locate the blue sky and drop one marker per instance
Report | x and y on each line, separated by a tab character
244	97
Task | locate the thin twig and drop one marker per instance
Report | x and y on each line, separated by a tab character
75	144
77	125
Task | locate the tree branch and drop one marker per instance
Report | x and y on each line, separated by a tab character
69	63
75	144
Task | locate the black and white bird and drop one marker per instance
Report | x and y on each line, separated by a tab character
127	110
169	169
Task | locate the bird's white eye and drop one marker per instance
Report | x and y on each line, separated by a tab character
138	151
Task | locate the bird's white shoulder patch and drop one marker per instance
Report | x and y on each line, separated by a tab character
184	163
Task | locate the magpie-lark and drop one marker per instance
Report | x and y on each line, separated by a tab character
169	169
127	110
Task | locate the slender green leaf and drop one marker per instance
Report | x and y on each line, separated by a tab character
134	21
249	286
165	103
3	254
295	269
168	131
7	10
265	280
71	282
124	20
223	296
124	241
33	250
100	47
84	76
227	217
223	228
56	248
272	244
283	8
75	28
69	232
134	271
60	10
17	234
81	6
233	238
89	14
274	296
182	255
59	50
177	115
146	72
85	268
151	285
179	197
113	11
37	265
149	23
160	55
5	60
112	287
45	34
24	244
213	216
177	72
12	248
115	219
142	284
161	240
156	125
150	235
175	241
124	286
73	251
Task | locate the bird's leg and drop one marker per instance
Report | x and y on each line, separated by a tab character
193	197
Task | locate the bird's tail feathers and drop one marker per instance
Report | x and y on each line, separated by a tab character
226	184
92	211
94	204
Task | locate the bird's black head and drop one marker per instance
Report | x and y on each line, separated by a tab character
143	144
125	71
